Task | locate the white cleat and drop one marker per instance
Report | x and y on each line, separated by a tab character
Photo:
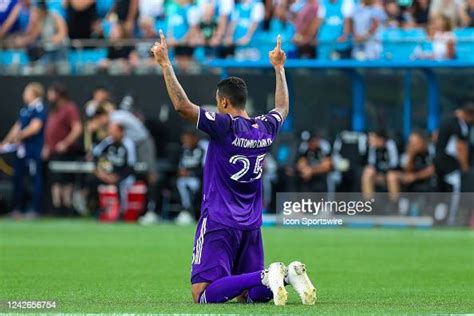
298	278
274	278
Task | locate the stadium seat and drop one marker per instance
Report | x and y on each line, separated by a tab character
11	57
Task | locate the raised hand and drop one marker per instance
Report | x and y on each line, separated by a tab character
159	50
277	55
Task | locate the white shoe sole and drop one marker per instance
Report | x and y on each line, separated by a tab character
301	283
276	282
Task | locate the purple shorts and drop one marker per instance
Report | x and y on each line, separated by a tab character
221	251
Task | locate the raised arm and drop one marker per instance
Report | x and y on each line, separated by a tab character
180	100
278	58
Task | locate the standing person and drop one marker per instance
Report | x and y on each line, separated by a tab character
28	134
63	129
452	152
228	251
368	18
307	23
336	28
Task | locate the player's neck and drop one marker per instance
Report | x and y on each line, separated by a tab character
237	112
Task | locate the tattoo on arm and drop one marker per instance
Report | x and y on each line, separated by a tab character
178	96
281	93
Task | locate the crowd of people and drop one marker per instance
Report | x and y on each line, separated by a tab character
52	128
226	28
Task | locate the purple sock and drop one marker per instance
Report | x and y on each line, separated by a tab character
229	287
259	294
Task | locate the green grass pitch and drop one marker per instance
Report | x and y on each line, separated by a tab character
90	267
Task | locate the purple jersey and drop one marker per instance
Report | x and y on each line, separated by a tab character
232	184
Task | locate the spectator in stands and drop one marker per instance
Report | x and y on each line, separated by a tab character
336	27
467	14
278	10
442	41
182	26
452	9
307	25
126	12
207	29
9	13
46	36
81	18
62	131
189	176
28	136
223	10
382	157
244	21
313	165
396	17
417	168
420	12
152	9
368	17
118	53
115	158
140	56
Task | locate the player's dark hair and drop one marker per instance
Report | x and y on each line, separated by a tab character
59	89
234	89
380	132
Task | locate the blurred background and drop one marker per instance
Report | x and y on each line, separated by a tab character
381	95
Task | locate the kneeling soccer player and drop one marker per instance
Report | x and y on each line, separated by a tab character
228	250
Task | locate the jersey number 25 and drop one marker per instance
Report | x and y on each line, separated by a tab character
257	170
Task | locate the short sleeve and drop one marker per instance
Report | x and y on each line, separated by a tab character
272	120
39	113
258	12
212	123
347	8
73	114
193	16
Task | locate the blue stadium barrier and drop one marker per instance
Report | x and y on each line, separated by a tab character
10	57
351	67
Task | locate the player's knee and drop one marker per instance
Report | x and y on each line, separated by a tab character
197	289
392	176
369	172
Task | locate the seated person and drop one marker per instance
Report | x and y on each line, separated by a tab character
313	166
382	157
115	157
189	175
417	168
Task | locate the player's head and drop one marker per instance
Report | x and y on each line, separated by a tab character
101	116
231	95
116	131
189	138
32	91
468	112
377	138
56	91
101	94
417	141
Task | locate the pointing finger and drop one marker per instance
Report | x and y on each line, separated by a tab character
278	45
162	38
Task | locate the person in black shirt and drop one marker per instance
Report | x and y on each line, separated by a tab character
382	157
81	18
115	158
189	174
417	168
127	12
313	166
452	148
118	53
